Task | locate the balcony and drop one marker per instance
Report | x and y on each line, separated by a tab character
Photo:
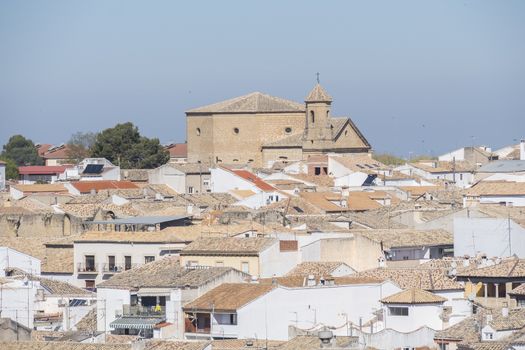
190	327
140	310
87	268
116	268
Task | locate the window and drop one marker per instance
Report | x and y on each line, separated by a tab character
190	189
245	267
192	263
346	132
461	176
488	335
90	262
398	311
317	170
111	263
90	284
236	131
312	116
127	262
288	130
149	258
198	131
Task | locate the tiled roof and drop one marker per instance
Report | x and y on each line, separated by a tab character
228	246
503	166
178	150
514	320
508	268
466	330
54	287
40	188
88	323
190	168
304	342
319	180
60	345
229	297
87	186
316	268
42	169
323	201
488	345
257	181
397	238
444	167
406	278
294	206
134	174
256	102
494	188
318	94
302	281
288	141
232	344
362	163
129	237
413	296
60	152
519	290
165	272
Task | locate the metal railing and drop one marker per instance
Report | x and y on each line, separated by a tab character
140	310
87	268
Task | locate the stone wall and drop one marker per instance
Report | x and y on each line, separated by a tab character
41	225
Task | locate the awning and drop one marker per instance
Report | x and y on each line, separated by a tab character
136	322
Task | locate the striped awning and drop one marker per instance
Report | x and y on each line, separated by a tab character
136	322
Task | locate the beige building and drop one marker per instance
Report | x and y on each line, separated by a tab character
261	129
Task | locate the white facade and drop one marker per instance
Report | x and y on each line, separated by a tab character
139	253
417	316
10	258
355	179
270	315
462	179
491	236
18	301
261	199
168	175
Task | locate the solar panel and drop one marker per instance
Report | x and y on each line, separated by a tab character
299	210
93	169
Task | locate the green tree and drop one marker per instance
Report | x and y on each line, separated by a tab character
79	145
11	170
123	145
22	151
388	159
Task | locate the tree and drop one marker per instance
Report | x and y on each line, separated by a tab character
11	170
22	151
388	159
79	145
123	145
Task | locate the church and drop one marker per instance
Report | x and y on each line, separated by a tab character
260	129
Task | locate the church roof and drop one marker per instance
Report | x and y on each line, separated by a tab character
318	94
256	102
289	141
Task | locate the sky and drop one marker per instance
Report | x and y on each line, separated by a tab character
420	77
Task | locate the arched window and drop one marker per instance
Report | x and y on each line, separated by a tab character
198	131
236	131
312	116
327	114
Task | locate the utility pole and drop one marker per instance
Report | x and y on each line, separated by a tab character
510	241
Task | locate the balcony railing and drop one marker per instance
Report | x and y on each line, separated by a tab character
116	268
87	268
140	310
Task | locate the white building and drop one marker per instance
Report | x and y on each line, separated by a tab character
491	236
459	173
496	192
11	258
2	175
135	301
268	310
224	180
411	309
183	178
18	300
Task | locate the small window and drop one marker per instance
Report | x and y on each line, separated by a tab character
198	131
317	170
127	262
312	116
398	311
190	189
245	267
288	130
346	132
236	131
461	177
149	258
90	284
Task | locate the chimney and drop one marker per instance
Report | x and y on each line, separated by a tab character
466	261
326	338
505	309
311	281
522	149
382	262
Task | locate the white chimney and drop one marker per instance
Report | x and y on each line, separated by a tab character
522	149
505	310
311	281
466	261
382	262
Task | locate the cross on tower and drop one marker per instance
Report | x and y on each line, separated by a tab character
317	77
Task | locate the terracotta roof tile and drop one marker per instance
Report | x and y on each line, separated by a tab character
228	246
87	186
413	296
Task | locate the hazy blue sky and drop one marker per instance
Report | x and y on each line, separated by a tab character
421	76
